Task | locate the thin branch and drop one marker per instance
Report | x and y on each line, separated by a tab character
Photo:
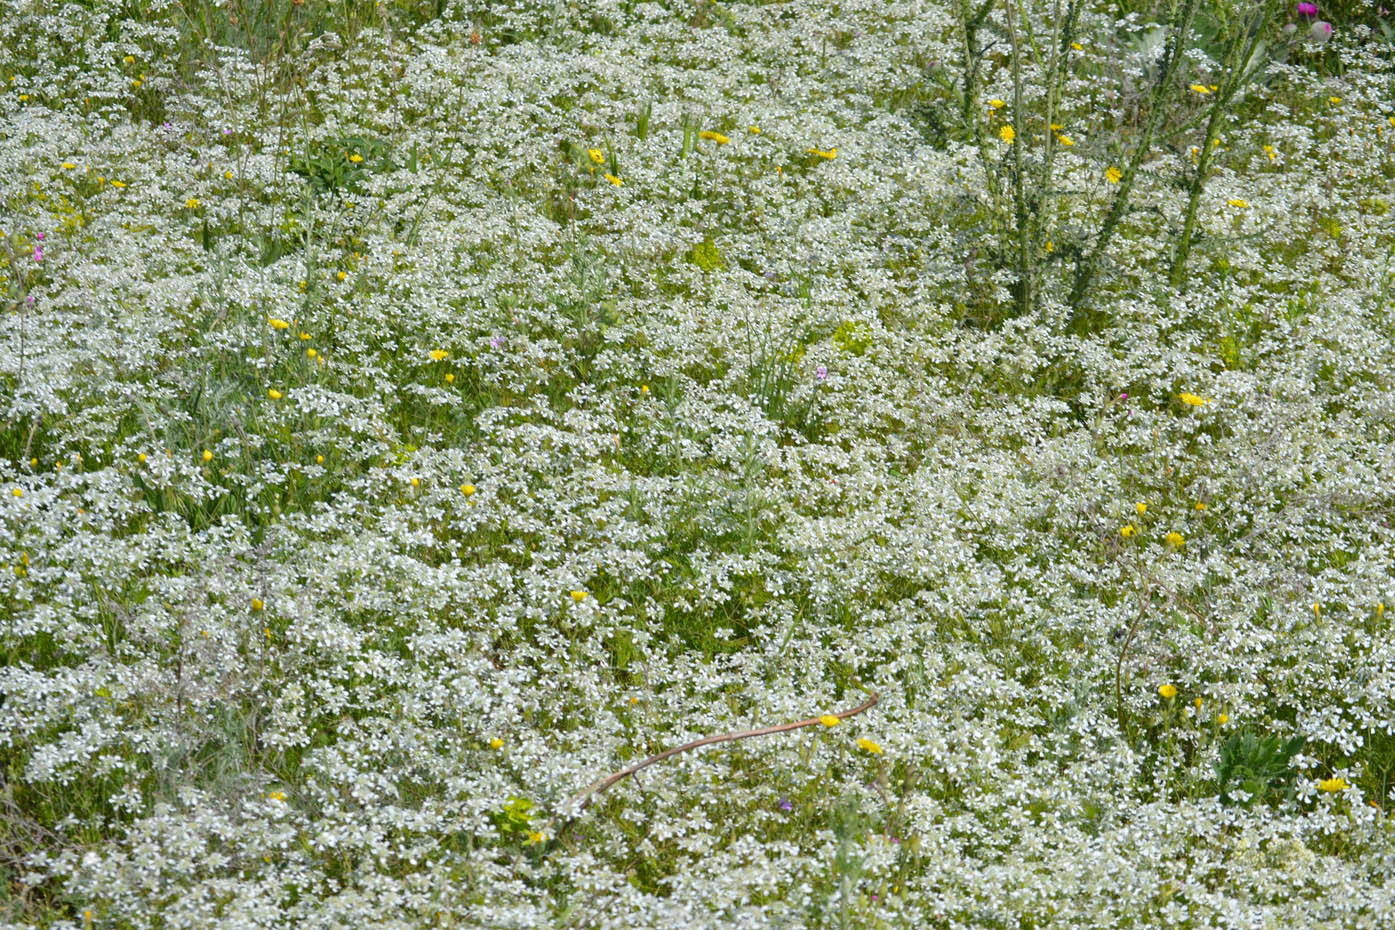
1143	597
582	798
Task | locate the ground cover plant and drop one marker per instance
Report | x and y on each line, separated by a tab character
413	413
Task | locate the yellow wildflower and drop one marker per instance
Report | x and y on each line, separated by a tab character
1065	140
258	604
450	379
1128	531
597	155
439	355
1238	203
140	457
1223	718
274	394
342	275
753	130
356	158
192	203
207	455
1201	88
830	154
68	166
1174	539
496	743
997	104
1168	691
18	492
1200	506
1269	150
1192	400
1334	100
1112	175
829	720
277	324
866	745
276	796
1007	134
467	489
1333	784
613	179
304	337
1141	507
578	596
716	137
310	353
1077	46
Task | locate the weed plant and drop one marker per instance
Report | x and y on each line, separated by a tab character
412	412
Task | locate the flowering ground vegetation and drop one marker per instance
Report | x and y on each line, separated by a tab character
411	412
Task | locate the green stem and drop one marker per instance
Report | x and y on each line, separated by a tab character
1172	58
1238	70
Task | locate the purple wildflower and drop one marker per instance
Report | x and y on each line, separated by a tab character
822	372
1307	9
785	805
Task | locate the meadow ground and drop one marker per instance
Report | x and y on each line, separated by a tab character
414	412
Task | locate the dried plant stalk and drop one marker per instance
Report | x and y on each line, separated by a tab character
582	798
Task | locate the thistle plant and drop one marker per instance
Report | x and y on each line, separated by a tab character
1244	59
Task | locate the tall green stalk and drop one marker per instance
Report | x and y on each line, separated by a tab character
1239	68
1026	264
1172	60
970	20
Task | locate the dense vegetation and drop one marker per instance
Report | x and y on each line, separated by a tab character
410	413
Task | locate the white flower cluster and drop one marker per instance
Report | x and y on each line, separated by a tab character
412	414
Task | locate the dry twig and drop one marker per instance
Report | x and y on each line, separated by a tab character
578	802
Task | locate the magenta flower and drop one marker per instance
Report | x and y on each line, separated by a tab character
822	372
38	254
1307	9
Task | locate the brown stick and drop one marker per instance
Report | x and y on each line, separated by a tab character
582	797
